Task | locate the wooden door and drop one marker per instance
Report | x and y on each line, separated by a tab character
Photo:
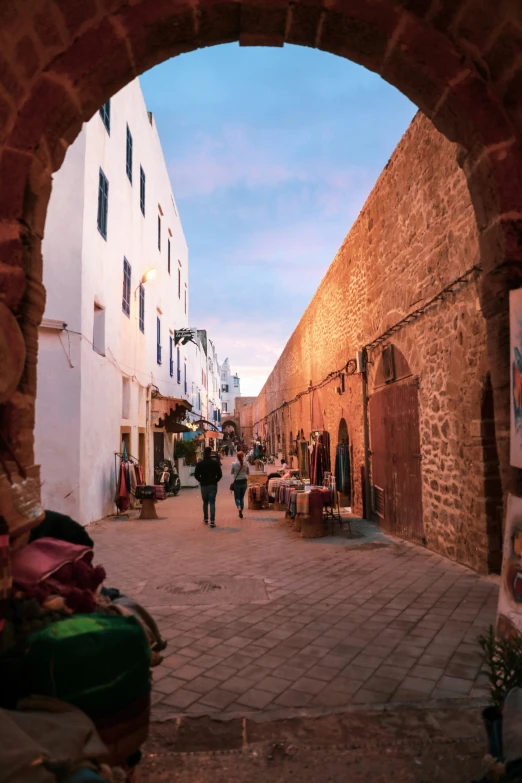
159	448
395	452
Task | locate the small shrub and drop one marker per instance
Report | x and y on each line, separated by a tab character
503	664
185	449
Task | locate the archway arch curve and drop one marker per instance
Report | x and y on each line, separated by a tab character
63	60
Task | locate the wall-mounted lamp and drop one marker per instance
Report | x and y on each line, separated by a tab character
150	274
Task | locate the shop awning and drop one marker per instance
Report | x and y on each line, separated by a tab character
213	434
169	412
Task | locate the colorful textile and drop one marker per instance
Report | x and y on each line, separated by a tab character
273	486
98	663
49	566
258	493
45	730
342	468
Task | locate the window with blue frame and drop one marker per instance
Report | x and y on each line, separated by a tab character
185	376
178	366
128	155
199	401
105	114
103	204
158	340
142	190
171	355
125	301
142	310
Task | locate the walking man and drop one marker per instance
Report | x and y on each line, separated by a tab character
208	473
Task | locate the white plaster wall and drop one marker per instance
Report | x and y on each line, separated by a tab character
96	410
57	430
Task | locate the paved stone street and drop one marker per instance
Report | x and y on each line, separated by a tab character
258	619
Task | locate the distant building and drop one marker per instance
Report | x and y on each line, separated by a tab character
230	389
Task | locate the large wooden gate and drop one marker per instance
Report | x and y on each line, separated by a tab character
395	452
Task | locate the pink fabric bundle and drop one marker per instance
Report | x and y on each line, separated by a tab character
49	566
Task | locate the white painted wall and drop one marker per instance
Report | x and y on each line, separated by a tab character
79	409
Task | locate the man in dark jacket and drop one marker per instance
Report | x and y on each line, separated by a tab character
208	473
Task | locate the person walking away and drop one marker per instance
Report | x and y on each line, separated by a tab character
208	472
240	471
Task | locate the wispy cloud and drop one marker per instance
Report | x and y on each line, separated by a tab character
271	155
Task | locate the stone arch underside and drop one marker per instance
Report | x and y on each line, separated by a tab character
61	59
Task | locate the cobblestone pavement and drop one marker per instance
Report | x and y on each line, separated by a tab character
258	619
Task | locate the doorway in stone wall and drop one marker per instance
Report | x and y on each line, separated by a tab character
343	472
395	455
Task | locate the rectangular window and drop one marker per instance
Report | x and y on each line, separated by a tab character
224	387
128	158
171	356
159	233
199	401
105	114
185	376
224	407
125	302
142	190
98	330
158	340
179	283
236	381
168	255
179	366
126	398
103	204
142	310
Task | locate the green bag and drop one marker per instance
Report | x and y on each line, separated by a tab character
97	662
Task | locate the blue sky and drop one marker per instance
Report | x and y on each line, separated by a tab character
271	153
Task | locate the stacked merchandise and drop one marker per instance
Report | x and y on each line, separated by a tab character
287	489
257	497
75	661
320	459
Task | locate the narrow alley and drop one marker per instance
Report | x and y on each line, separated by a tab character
258	619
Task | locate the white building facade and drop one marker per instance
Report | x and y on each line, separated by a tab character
108	363
230	389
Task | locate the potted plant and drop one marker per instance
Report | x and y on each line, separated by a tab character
503	666
186	449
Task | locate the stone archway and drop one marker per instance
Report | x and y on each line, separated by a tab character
61	60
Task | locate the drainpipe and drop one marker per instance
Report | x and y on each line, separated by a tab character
366	438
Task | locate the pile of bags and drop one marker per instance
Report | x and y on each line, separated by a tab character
75	662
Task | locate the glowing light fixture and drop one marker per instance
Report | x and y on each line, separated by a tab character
150	274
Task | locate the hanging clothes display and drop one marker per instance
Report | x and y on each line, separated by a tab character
129	476
320	459
342	469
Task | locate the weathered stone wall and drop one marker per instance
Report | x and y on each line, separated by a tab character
415	235
244	412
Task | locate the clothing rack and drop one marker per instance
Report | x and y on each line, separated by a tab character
123	458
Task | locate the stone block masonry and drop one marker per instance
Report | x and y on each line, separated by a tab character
415	235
